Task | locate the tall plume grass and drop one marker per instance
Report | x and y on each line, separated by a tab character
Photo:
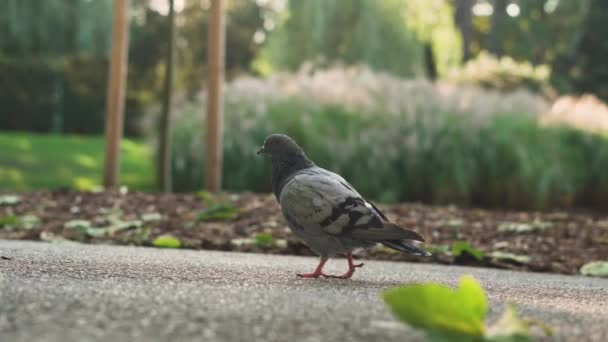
399	140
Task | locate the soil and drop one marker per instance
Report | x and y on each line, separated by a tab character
557	241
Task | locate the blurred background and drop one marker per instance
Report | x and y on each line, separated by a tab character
469	102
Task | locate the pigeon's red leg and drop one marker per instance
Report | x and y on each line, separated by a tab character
318	271
351	268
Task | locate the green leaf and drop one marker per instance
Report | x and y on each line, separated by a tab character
52	238
437	249
518	227
509	328
264	240
9	221
81	225
522	259
595	269
151	217
167	241
97	232
454	223
219	212
206	197
9	199
460	247
440	310
119	225
13	222
29	221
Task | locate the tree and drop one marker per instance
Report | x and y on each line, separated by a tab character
497	28
243	19
52	28
387	35
464	21
164	127
586	63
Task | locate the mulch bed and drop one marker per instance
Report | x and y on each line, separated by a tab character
558	241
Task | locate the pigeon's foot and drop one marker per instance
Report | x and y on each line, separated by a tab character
350	272
313	275
318	271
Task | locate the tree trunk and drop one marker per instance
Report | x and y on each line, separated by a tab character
497	27
430	64
464	21
164	130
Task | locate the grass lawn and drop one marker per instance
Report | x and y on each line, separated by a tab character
31	161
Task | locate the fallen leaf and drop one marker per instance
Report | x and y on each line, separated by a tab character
458	314
264	240
151	217
522	259
509	327
219	212
460	247
167	241
9	199
77	224
595	269
519	227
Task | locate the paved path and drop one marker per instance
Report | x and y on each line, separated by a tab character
72	292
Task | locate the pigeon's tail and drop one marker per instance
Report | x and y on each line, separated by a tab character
406	246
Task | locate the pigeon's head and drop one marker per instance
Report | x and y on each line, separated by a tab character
280	146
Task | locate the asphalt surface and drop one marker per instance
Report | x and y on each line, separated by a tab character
72	292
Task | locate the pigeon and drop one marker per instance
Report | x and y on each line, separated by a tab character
326	212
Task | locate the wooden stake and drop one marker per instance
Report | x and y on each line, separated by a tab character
115	97
216	41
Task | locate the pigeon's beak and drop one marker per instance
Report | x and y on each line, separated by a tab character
260	150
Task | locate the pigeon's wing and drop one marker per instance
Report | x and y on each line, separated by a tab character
321	201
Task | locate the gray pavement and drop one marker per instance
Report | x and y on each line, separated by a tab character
72	292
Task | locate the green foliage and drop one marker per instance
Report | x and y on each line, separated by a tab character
595	269
447	314
543	32
57	65
456	314
460	147
84	229
67	161
219	207
460	247
9	221
167	241
435	249
524	227
9	199
219	212
60	26
53	56
263	240
583	67
386	35
14	222
505	256
243	20
503	74
510	328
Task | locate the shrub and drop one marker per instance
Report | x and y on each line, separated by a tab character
502	74
61	95
399	140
